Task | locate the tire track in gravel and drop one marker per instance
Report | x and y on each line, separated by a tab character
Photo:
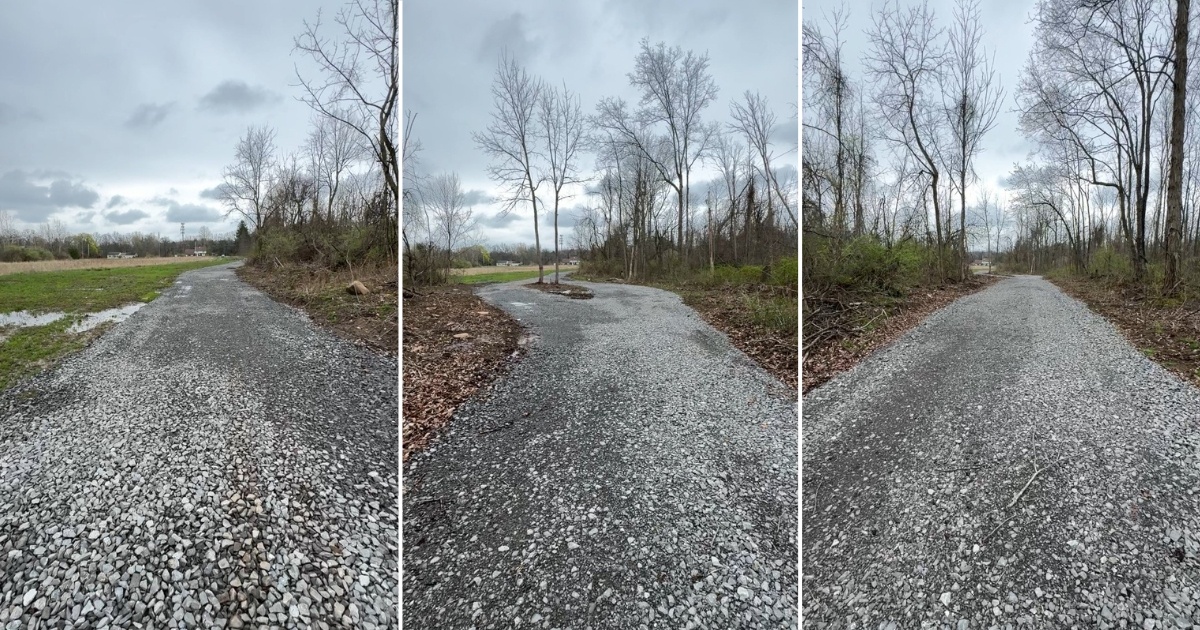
633	470
214	461
1011	462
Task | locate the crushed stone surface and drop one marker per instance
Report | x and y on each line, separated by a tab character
633	470
1010	463
215	461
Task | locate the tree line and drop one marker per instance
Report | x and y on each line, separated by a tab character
52	240
1109	189
640	217
334	200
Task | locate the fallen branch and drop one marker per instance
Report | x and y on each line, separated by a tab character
1036	472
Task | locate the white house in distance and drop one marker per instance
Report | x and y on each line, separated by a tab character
121	255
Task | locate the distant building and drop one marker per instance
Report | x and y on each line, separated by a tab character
508	263
121	255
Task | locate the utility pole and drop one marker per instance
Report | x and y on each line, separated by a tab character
181	237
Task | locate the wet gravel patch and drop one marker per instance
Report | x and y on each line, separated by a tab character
634	470
215	461
1010	463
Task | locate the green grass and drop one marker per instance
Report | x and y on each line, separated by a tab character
89	290
499	276
27	351
780	314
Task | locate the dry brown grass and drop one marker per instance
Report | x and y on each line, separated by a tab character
89	263
474	271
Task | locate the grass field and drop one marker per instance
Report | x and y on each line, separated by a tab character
480	275
27	350
95	263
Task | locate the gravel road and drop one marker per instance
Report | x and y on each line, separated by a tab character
1010	463
214	461
634	470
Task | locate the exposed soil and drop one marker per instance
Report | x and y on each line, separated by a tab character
371	320
1169	335
861	328
454	343
573	291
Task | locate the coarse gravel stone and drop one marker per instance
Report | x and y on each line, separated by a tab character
1012	462
633	470
214	461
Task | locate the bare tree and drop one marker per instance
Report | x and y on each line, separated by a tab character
756	121
451	218
1174	236
675	87
248	179
8	226
975	97
906	59
510	138
561	127
333	147
359	84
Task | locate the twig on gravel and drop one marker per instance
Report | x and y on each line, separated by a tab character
1036	472
976	467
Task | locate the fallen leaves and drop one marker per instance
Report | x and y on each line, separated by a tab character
453	344
849	332
1168	335
777	351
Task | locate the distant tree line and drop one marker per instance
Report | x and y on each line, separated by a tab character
53	241
642	217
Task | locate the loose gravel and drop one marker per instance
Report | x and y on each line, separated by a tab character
634	470
215	461
1010	463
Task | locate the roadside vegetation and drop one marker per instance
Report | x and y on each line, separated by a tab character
1109	207
730	251
323	216
27	350
889	153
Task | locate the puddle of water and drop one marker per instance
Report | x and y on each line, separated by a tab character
93	320
25	319
522	304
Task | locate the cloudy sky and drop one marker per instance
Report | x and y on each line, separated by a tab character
450	50
1007	34
117	116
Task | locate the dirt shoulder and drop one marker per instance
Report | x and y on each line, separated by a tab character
862	328
454	343
371	320
1167	334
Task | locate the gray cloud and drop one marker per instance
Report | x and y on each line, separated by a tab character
115	201
475	197
193	213
64	193
500	220
213	193
127	217
236	96
10	114
508	34
32	199
148	115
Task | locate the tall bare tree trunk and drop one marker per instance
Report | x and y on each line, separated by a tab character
1174	240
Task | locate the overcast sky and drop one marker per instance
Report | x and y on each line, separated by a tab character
450	50
116	116
1007	34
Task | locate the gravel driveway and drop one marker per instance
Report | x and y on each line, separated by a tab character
214	461
1011	463
634	470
